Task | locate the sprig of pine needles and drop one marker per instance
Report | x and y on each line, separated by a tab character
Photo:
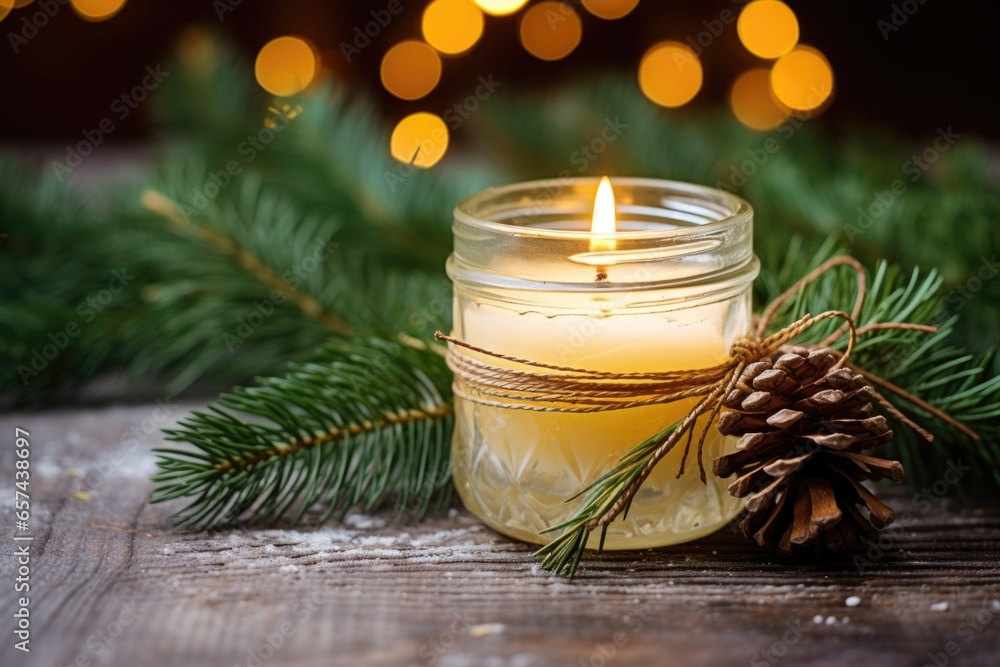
369	420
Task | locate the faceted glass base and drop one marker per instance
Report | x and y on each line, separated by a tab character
515	470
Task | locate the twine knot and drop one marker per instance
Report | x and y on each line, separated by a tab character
747	350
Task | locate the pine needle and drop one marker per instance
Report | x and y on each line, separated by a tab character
370	420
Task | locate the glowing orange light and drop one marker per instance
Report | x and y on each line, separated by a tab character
670	74
286	66
501	7
752	101
550	30
5	7
97	10
610	9
802	79
768	28
452	26
410	70
602	226
420	139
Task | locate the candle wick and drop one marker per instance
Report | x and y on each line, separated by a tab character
602	274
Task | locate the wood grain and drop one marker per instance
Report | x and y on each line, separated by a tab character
114	584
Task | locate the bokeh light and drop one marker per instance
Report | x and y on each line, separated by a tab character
452	26
670	74
286	66
5	7
768	28
411	69
97	10
802	79
20	3
610	9
420	139
551	30
501	7
752	101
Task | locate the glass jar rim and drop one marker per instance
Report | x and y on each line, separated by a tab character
732	209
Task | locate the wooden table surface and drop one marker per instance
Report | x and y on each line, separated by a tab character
113	584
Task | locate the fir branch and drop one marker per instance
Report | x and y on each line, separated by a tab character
266	275
370	420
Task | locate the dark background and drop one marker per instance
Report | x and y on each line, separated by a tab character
938	69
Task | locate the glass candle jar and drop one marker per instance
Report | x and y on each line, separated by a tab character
671	291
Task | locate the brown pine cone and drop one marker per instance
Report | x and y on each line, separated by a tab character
801	456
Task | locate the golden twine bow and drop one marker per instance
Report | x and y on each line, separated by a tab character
553	388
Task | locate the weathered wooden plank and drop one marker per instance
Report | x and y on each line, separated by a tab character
114	584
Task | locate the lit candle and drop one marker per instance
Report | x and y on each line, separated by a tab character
669	294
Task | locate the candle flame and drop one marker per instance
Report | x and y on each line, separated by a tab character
602	228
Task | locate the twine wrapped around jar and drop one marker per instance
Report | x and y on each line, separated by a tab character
545	387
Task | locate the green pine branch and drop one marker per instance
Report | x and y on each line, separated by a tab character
370	420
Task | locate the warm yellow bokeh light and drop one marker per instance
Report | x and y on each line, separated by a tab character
420	139
768	28
411	69
5	7
286	66
97	10
752	102
802	79
551	30
501	7
610	9
452	26
670	74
